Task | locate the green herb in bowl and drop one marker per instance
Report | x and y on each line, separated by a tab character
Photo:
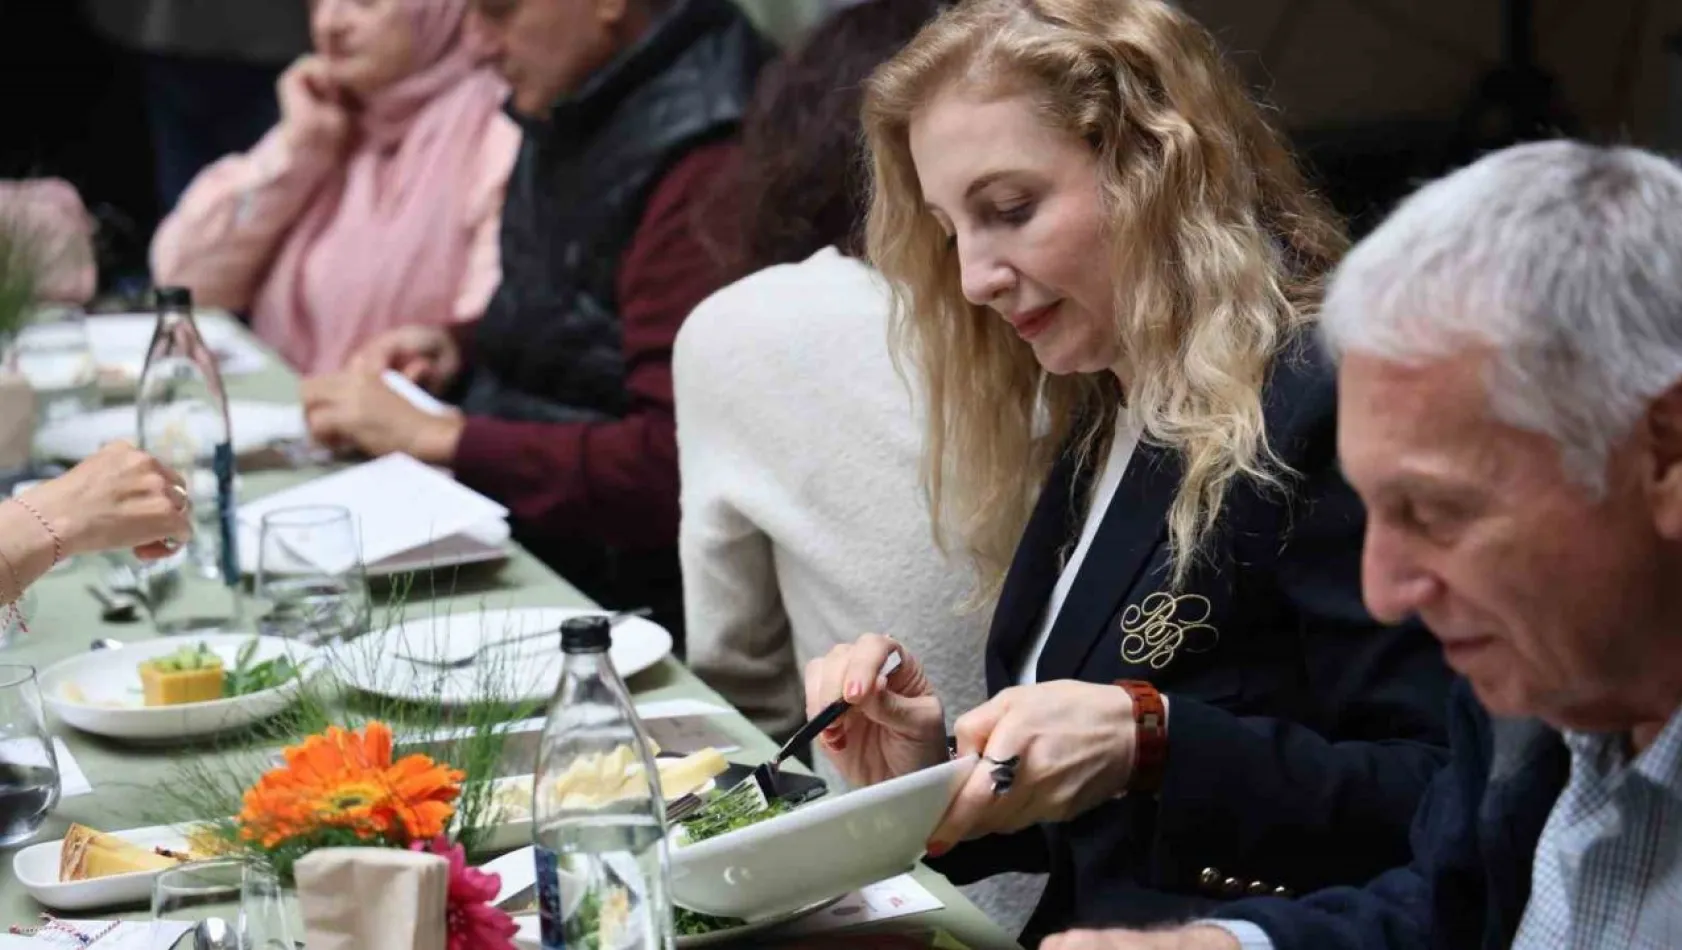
248	677
715	820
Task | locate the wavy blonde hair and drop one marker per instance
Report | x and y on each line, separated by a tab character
1235	245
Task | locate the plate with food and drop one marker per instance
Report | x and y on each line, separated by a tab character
505	656
601	779
735	859
90	868
179	688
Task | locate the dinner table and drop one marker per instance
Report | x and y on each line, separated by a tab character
66	619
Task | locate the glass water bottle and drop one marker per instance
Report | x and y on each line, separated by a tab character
183	422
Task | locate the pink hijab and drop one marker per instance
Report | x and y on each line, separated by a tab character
384	242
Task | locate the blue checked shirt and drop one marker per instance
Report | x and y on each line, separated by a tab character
1608	869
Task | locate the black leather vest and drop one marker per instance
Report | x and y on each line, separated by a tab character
549	347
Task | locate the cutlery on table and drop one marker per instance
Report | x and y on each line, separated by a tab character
213	933
761	786
462	662
115	607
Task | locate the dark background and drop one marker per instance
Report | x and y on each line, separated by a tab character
1378	94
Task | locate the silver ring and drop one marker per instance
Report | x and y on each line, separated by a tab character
181	492
1004	773
170	544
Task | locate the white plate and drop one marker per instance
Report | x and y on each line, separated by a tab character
113	676
119	342
256	425
36	868
530	935
864	836
520	672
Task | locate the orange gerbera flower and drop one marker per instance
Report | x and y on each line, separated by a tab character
346	780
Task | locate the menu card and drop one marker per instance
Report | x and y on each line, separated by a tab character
399	505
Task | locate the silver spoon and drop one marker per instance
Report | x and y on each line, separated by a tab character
213	933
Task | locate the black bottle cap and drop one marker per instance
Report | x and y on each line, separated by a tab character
586	635
175	297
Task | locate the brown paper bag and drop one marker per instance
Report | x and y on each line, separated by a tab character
373	899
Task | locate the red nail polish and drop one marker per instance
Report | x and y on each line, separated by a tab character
937	848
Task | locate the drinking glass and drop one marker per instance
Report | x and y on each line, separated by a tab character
190	893
268	913
310	574
57	358
28	766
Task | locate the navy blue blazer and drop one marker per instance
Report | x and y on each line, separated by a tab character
1474	841
1302	733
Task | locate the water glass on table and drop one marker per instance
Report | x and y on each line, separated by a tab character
29	784
310	574
269	916
205	896
57	358
226	904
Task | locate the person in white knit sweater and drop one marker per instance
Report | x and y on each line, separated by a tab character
804	520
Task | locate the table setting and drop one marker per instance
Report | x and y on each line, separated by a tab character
393	634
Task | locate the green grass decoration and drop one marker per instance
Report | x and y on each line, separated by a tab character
209	782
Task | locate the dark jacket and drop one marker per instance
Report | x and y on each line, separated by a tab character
568	397
548	346
1474	841
1301	732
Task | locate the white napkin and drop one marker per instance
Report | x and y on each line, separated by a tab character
373	899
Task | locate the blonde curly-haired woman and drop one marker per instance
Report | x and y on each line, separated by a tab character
1107	266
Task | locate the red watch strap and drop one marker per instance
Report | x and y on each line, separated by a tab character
1150	719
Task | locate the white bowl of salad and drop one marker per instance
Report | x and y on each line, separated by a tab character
790	859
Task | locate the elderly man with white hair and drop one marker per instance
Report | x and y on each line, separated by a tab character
1510	396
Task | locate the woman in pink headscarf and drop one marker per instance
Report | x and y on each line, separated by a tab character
375	202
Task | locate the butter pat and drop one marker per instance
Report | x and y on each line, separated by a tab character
174	687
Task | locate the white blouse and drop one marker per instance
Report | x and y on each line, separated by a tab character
1126	439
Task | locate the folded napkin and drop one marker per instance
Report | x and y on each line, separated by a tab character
373	899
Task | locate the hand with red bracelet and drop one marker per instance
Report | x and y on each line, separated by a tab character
1073	746
119	497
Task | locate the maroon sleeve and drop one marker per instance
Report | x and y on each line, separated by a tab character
614	483
464	335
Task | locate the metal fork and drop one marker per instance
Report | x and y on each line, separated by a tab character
683	808
463	662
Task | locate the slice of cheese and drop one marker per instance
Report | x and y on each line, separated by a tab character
679	778
596	780
87	854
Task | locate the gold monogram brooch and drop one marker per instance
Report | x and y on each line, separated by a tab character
1154	630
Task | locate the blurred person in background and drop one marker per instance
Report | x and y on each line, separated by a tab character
209	68
630	110
376	200
798	442
44	220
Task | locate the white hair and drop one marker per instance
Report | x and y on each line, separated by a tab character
1563	259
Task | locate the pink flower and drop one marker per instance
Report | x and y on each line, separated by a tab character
473	924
